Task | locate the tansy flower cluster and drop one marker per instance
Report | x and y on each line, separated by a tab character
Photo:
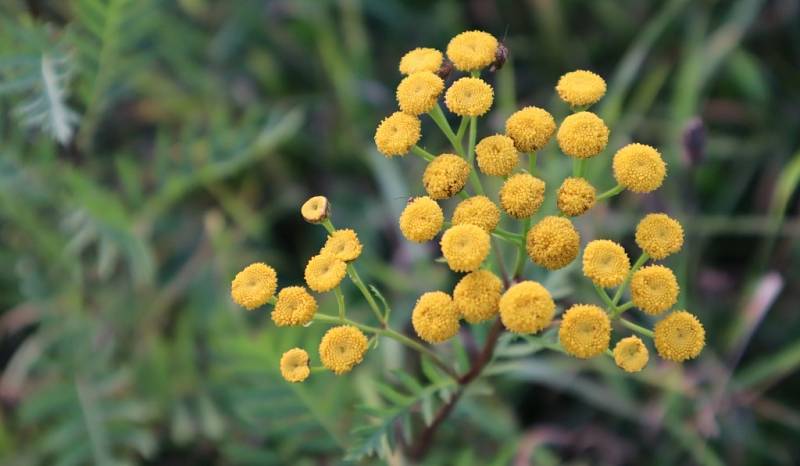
470	237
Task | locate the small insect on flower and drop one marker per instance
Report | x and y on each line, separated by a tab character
659	235
294	306
479	211
469	97
530	128
421	220
294	365
585	331
397	134
342	348
654	289
605	263
421	59
435	317
526	307
324	272
343	244
445	176
417	93
316	209
582	135
496	155
575	196
553	243
679	336
464	247
477	296
472	50
254	286
581	88
522	195
630	354
639	168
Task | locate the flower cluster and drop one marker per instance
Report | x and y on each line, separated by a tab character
473	234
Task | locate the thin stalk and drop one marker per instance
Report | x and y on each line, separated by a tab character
636	328
532	163
462	128
605	298
340	302
639	262
473	175
611	192
620	309
501	264
356	279
422	153
437	115
519	266
578	167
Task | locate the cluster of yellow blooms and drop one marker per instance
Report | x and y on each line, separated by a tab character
552	242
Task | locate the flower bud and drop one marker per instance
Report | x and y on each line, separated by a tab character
316	209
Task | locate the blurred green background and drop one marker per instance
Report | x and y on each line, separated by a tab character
150	149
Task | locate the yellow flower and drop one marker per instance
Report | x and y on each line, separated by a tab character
397	134
435	317
464	247
496	155
294	307
343	244
469	97
477	296
639	168
342	348
553	242
315	210
522	195
324	272
445	176
575	196
530	128
479	211
421	59
526	307
582	135
417	93
659	235
472	50
421	220
630	354
585	331
254	286
579	88
679	336
294	365
605	263
654	289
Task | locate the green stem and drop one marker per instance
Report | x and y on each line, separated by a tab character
578	167
423	153
532	163
473	175
611	192
605	298
328	225
340	302
620	309
356	279
639	262
519	267
636	328
437	115
462	128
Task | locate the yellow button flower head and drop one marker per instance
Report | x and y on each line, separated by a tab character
496	155
421	59
630	354
417	93
679	336
295	306
477	296
479	211
342	348
659	235
639	168
324	272
585	331
253	286
445	176
464	247
522	195
581	87
316	209
582	135
553	243
575	196
526	307
343	244
421	220
469	97
654	289
472	50
294	365
530	128
397	134
605	263
435	317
